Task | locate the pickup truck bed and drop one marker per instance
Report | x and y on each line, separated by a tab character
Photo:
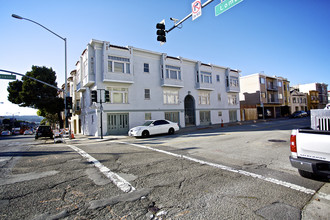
310	152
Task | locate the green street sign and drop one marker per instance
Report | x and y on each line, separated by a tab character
225	5
6	76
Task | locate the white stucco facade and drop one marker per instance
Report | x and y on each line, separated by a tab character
149	85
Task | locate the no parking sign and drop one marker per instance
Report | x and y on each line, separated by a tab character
196	7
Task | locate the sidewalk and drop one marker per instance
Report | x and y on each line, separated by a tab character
318	207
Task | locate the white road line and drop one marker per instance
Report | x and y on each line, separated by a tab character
230	169
115	178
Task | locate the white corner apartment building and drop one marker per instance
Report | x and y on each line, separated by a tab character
145	85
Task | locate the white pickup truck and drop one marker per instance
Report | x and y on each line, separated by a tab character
310	147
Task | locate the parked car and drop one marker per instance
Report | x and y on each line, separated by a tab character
44	131
16	131
299	114
28	132
153	127
310	152
5	133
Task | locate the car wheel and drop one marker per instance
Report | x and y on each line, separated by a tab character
171	131
145	134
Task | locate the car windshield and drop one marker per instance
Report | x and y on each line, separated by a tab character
147	123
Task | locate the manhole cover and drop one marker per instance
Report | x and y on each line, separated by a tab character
276	140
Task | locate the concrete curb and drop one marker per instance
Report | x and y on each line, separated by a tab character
318	207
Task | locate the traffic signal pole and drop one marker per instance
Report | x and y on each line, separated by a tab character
106	99
101	111
188	16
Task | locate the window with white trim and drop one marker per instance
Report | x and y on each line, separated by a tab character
173	72
147	116
232	100
147	94
118	64
118	95
234	81
146	67
171	97
206	77
204	98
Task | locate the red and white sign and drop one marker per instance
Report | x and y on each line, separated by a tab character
196	7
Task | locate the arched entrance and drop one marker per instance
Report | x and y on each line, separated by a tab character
189	110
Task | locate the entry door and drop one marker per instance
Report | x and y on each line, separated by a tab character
118	123
189	110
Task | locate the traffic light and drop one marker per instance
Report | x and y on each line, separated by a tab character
106	96
161	33
94	95
68	102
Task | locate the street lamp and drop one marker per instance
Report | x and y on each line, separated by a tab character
66	85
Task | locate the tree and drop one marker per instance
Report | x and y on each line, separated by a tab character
30	93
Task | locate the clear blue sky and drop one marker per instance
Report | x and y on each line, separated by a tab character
285	38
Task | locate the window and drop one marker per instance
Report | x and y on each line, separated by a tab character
78	105
171	97
234	81
218	78
263	95
280	96
147	116
204	98
206	77
118	64
160	122
262	80
173	72
294	100
146	67
219	97
279	84
118	95
147	94
172	116
205	117
232	99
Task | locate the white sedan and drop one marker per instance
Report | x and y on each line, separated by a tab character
153	127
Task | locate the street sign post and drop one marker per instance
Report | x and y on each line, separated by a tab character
6	76
225	5
196	7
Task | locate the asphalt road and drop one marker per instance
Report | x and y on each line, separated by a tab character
239	172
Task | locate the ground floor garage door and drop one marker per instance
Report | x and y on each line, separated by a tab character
118	123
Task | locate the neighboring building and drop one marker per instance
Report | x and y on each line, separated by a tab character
146	85
329	96
313	89
298	101
313	99
264	96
